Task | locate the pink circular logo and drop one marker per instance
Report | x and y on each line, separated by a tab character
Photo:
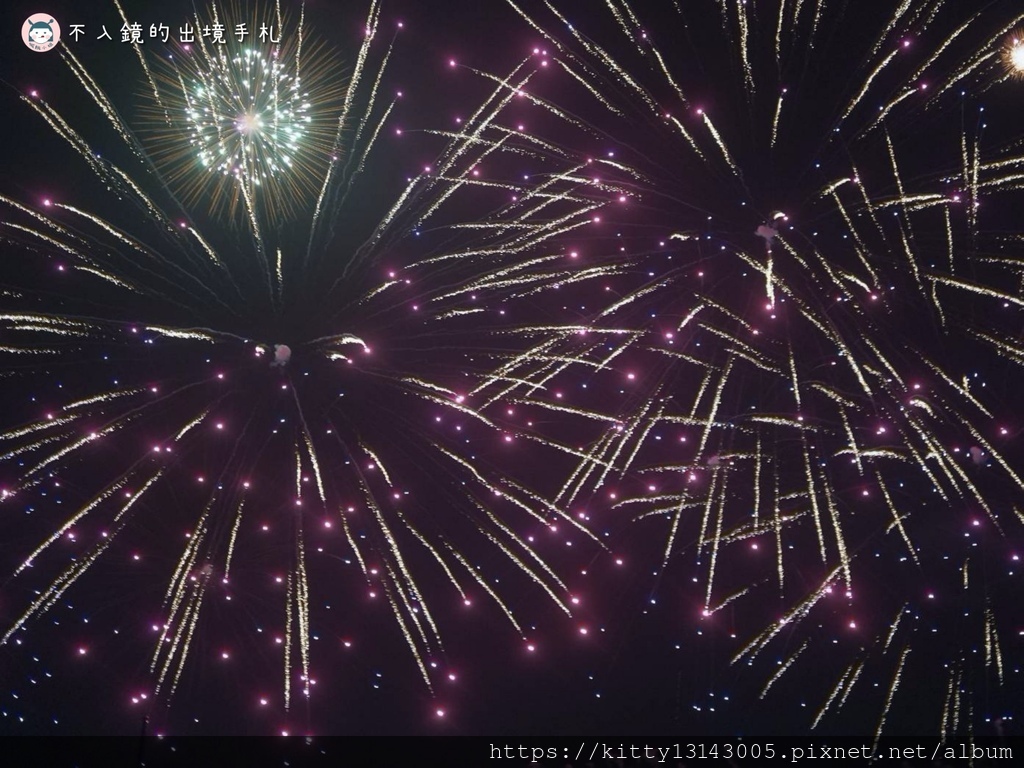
40	32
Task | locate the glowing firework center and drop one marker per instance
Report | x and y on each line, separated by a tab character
247	116
1017	56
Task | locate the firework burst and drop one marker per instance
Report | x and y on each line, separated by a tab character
821	270
247	121
1013	54
244	418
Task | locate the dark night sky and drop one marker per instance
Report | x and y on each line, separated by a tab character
648	664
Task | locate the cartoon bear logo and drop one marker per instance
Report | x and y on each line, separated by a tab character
40	32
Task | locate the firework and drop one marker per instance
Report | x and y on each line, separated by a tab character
1013	55
821	272
248	120
269	432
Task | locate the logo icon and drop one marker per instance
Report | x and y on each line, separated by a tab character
40	32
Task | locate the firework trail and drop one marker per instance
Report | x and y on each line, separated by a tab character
259	418
822	272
